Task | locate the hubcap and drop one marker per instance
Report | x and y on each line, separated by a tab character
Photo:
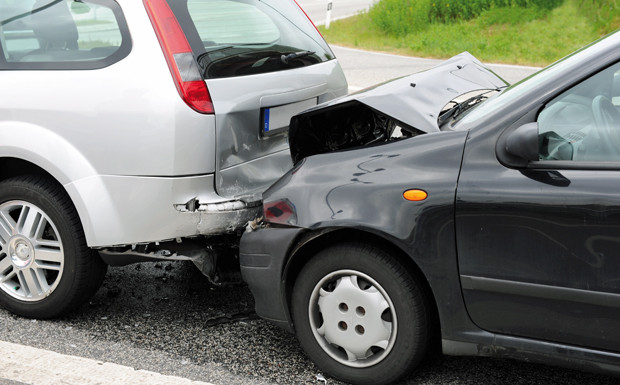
31	252
352	318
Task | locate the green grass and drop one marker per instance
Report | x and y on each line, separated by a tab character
529	36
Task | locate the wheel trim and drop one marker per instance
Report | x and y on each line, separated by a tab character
31	252
346	313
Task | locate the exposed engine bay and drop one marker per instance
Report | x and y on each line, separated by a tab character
344	126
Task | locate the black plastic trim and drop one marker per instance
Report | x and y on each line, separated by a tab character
540	291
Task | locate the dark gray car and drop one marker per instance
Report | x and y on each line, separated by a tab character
420	213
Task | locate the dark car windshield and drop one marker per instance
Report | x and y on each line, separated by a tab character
245	37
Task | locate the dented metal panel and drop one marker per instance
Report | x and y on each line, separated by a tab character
248	161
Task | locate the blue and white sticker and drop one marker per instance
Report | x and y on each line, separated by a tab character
266	120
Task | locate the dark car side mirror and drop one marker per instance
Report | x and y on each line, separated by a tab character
523	143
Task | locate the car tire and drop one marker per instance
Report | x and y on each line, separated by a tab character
360	315
46	268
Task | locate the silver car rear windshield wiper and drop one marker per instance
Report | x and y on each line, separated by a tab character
295	55
212	49
217	48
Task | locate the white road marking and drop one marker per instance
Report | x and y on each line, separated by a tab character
27	365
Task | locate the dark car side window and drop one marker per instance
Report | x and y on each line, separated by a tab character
62	34
583	123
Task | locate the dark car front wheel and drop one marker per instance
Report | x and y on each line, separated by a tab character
360	315
46	268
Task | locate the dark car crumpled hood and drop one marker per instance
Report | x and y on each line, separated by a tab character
414	100
419	106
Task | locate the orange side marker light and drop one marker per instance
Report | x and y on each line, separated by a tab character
415	195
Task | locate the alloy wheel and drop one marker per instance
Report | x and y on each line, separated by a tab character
31	252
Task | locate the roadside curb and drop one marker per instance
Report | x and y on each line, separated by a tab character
25	365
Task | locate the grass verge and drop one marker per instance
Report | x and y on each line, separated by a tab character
512	35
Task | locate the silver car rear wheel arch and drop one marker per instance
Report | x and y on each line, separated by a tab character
352	318
31	252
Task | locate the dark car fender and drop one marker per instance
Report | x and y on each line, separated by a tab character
361	192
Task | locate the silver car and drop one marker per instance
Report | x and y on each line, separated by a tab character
131	130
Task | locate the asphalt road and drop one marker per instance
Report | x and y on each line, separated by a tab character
364	69
166	318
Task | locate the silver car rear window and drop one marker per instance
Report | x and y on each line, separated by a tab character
246	37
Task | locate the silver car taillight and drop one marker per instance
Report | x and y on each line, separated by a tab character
179	56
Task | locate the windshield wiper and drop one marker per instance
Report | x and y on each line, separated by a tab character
295	55
217	48
210	50
461	107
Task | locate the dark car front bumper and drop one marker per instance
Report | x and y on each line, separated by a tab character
262	256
